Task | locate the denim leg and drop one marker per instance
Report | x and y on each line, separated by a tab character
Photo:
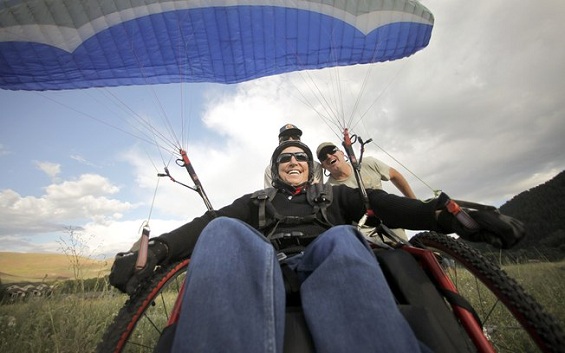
347	303
234	299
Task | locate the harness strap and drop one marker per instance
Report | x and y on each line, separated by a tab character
260	197
456	299
286	235
320	196
262	219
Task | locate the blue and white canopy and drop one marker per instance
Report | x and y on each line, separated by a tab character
68	44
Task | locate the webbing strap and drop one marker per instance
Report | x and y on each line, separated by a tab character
262	219
260	198
456	299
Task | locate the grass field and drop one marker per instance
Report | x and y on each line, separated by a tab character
75	322
32	267
545	281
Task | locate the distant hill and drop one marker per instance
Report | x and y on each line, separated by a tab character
542	209
38	267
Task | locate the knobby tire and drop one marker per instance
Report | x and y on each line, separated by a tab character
124	333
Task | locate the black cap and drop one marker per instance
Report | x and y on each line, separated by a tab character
289	129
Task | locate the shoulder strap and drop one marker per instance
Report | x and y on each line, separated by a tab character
260	198
320	196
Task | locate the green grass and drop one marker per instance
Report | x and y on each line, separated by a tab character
72	323
59	324
543	281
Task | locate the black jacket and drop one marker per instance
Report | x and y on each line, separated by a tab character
346	207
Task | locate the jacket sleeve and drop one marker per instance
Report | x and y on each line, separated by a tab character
181	241
402	212
394	211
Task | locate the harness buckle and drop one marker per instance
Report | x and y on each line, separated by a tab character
281	256
285	239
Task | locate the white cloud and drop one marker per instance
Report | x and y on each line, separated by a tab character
114	237
82	160
49	168
63	204
86	184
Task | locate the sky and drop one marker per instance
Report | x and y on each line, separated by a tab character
479	114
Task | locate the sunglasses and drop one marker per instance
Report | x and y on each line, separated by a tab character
322	156
289	137
286	157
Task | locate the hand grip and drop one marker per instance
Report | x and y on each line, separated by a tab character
462	216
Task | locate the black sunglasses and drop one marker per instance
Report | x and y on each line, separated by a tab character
322	156
286	157
288	137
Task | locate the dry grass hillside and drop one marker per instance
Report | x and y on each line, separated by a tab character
35	267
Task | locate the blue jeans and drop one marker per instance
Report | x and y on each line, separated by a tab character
235	299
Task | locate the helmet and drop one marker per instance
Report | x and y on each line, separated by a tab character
275	167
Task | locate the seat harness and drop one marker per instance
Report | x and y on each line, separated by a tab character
290	243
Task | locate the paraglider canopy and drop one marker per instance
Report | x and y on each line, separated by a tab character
67	44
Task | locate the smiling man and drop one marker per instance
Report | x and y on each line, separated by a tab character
234	298
372	172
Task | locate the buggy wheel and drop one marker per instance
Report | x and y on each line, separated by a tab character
140	322
512	320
